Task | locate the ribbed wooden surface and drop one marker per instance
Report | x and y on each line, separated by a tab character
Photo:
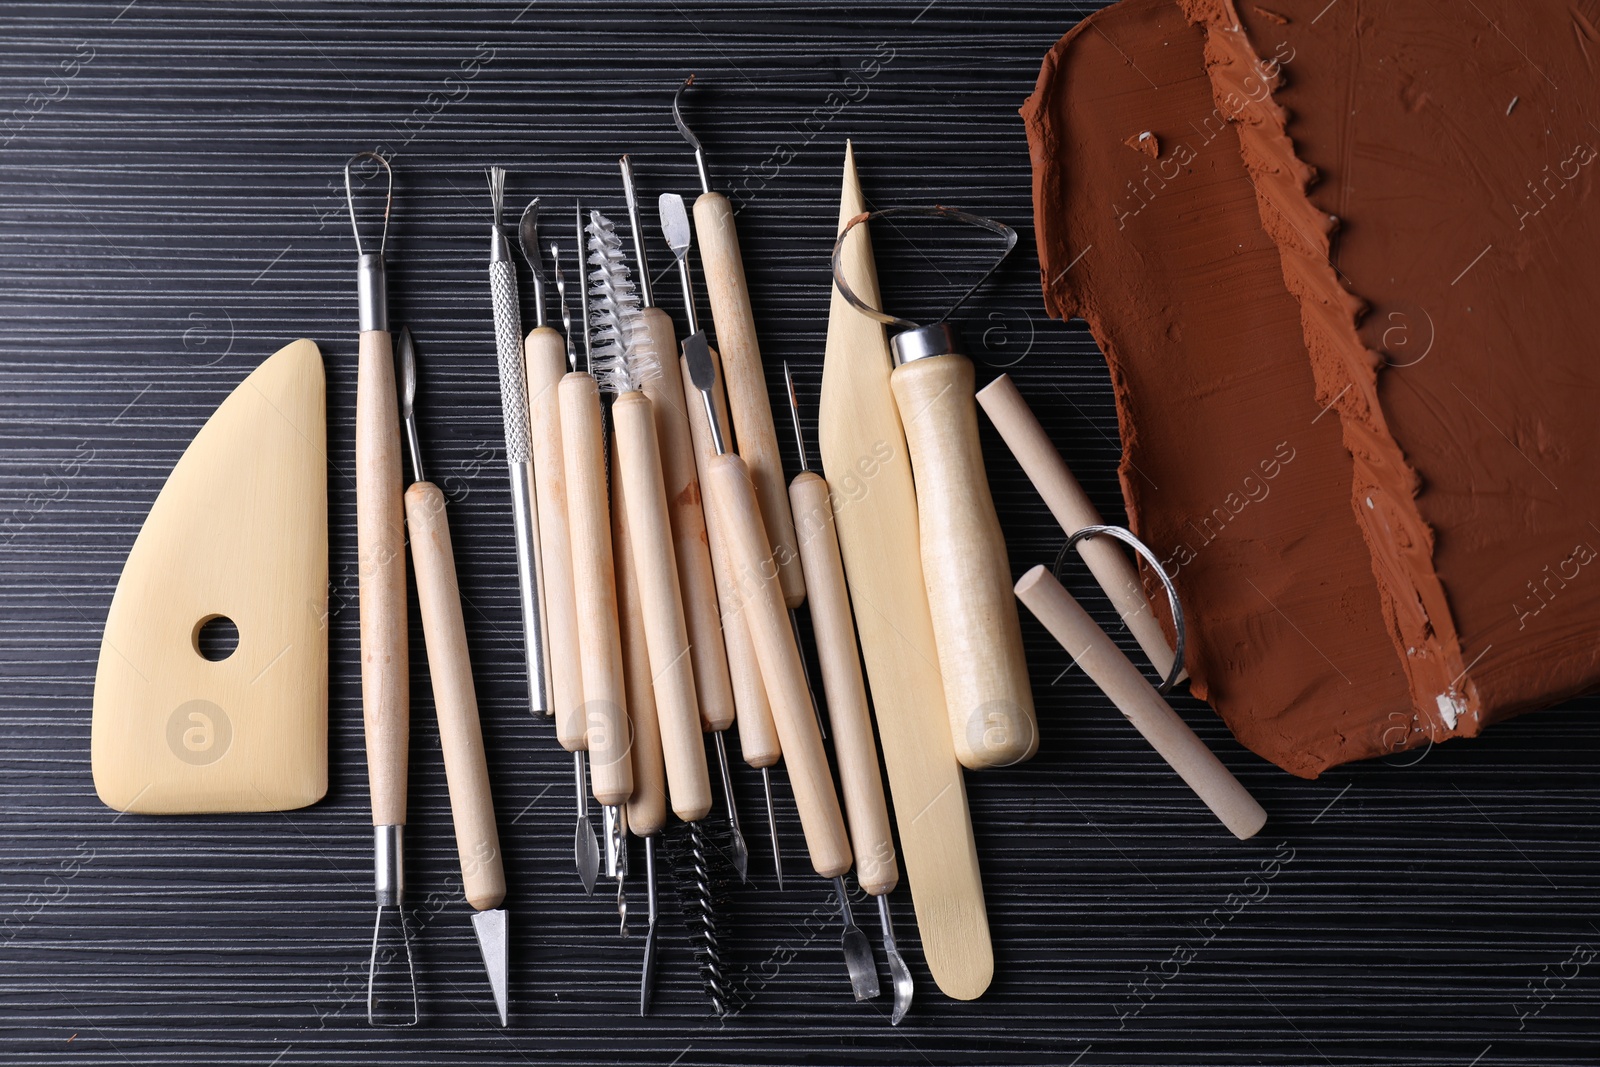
171	212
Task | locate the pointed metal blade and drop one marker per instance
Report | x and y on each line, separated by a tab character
858	958
493	933
586	851
675	223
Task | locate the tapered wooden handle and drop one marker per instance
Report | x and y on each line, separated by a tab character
594	584
748	400
1137	699
638	457
647	807
738	518
758	737
853	743
696	580
545	357
444	632
381	547
1070	505
968	577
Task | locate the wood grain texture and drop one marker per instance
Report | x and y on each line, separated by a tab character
737	516
690	546
381	534
455	699
746	381
1138	700
875	515
965	568
758	737
239	531
854	745
1106	560
647	807
638	458
594	584
545	362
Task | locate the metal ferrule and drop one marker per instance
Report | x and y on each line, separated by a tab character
372	293
922	342
388	864
616	834
499	247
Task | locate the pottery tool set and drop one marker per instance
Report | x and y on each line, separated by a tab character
661	558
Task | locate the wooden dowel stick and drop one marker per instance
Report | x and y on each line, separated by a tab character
1070	505
1137	699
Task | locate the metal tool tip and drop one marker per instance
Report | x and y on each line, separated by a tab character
491	928
497	193
586	851
408	372
674	223
373	1018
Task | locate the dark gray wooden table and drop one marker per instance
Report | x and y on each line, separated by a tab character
171	213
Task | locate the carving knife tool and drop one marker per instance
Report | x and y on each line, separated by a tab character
519	455
547	358
854	746
380	537
696	580
583	448
444	633
758	736
861	439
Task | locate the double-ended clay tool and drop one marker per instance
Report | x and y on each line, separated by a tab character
381	544
965	568
455	700
594	584
691	550
737	517
744	377
854	745
758	736
547	358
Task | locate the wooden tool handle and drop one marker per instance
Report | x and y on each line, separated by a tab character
381	547
594	584
758	737
723	265
647	807
761	599
968	577
1070	505
853	743
1137	699
696	580
545	357
444	633
639	459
